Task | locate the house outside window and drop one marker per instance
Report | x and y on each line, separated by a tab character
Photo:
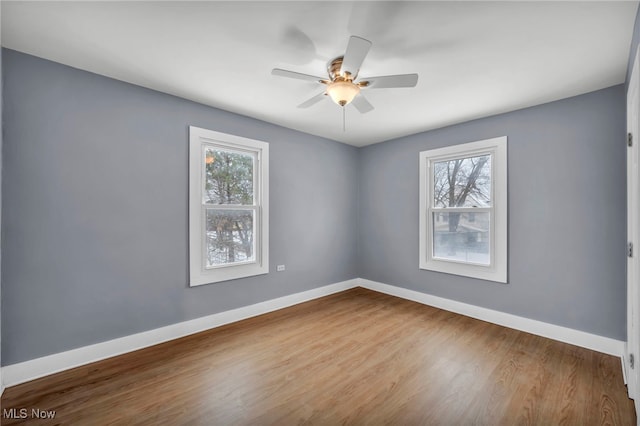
228	206
463	209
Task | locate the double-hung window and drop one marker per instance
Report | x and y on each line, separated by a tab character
463	209
228	206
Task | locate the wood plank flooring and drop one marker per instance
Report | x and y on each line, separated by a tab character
357	357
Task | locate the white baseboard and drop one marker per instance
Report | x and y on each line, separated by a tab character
33	369
563	334
15	374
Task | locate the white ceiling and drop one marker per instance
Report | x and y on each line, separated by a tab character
474	59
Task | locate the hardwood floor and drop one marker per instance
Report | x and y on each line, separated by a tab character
357	357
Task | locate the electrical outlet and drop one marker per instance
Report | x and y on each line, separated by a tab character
280	268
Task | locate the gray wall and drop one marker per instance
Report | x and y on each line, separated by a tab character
94	230
94	211
634	46
1	132
566	229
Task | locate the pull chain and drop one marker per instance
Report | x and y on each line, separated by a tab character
344	121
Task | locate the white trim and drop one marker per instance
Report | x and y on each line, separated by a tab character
497	271
633	233
563	334
198	274
33	369
16	374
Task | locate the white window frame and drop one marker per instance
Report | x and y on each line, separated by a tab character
199	274
497	269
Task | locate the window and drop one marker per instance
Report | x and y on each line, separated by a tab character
228	207
463	209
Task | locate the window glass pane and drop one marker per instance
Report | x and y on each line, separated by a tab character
463	182
462	237
229	177
230	237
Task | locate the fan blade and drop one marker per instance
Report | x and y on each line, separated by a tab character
298	75
362	104
312	101
357	49
390	81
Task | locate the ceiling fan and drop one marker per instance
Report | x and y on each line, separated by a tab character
343	71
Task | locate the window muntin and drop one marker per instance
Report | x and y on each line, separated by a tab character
463	209
228	224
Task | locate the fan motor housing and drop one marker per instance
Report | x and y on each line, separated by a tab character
333	68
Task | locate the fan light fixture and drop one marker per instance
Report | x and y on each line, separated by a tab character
343	85
342	91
